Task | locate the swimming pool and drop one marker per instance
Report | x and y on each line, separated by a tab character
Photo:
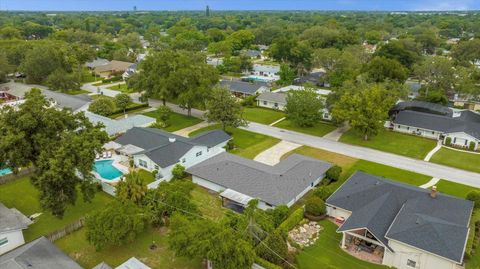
259	78
106	169
5	171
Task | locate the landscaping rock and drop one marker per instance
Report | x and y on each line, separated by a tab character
305	235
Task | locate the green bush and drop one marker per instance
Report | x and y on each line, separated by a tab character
323	192
230	145
113	79
474	196
266	264
249	101
471	146
448	141
334	173
178	171
315	206
102	106
291	221
278	214
273	249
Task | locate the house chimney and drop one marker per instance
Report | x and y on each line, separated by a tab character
433	192
171	139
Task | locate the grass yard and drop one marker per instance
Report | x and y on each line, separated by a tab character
326	252
454	189
262	115
319	129
247	144
458	159
208	203
146	176
393	142
121	88
77	92
77	247
21	195
177	121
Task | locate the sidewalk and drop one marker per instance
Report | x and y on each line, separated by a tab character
433	151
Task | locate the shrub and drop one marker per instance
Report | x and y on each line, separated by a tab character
178	171
448	141
471	146
249	101
278	214
315	206
230	145
102	106
164	113
323	192
334	173
273	249
291	221
474	196
266	264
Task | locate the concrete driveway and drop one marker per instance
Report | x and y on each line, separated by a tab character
272	155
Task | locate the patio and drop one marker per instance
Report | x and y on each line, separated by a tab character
365	248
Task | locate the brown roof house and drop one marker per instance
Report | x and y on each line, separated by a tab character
113	68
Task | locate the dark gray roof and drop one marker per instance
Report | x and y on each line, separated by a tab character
157	146
276	185
468	122
242	86
314	77
252	53
273	97
38	254
422	106
11	220
393	210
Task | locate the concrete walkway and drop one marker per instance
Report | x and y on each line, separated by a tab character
185	131
337	133
275	122
431	183
101	89
433	151
272	155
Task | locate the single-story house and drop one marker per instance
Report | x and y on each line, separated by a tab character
252	54
315	78
461	127
239	180
113	68
153	149
96	63
403	226
278	99
38	254
264	70
132	69
244	89
214	61
113	127
12	224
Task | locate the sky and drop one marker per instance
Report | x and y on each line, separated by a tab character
364	5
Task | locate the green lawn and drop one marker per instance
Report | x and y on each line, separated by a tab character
177	121
121	88
262	115
209	204
23	196
77	247
326	252
394	142
462	160
88	77
454	189
77	92
247	144
319	129
146	176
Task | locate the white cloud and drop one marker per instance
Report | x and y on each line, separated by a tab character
443	5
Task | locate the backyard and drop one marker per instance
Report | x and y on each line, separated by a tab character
176	121
21	195
319	129
393	142
262	115
247	144
458	159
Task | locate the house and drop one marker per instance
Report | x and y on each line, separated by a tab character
113	127
214	61
96	63
263	70
113	68
254	54
316	78
132	69
132	263
38	254
461	127
12	224
153	149
244	89
239	180
278	99
400	225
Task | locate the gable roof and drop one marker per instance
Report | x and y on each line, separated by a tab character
132	263
12	220
166	148
422	106
121	125
97	62
277	97
38	254
114	66
276	185
242	86
393	210
313	77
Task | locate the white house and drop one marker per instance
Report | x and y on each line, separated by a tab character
12	224
461	127
400	225
155	150
263	70
239	180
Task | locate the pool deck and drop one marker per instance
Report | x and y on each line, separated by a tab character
117	159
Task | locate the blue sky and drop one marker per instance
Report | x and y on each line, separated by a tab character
410	5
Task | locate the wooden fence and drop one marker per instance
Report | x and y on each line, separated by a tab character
70	228
12	177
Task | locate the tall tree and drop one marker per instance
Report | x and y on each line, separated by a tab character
122	101
380	69
132	189
437	73
304	107
59	144
222	107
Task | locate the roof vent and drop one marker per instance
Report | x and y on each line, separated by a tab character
433	192
171	139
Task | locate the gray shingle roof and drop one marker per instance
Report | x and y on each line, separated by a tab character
276	185
273	97
422	106
157	146
468	122
393	210
242	86
121	125
11	220
38	254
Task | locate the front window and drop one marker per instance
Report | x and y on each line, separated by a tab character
183	160
276	104
142	163
411	263
199	154
265	103
3	241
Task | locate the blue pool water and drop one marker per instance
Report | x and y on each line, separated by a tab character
106	170
5	171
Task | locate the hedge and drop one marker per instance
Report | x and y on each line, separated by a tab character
266	264
134	106
113	79
291	221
